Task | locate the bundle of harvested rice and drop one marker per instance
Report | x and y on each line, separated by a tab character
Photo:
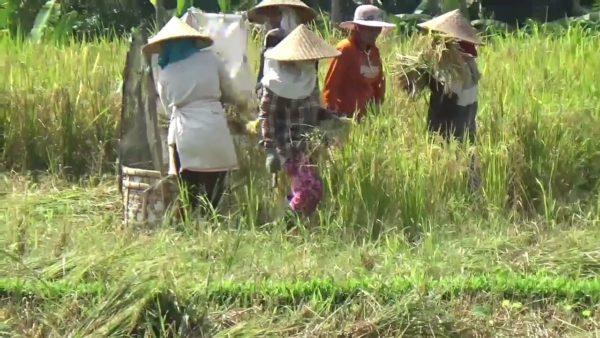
238	116
253	127
437	57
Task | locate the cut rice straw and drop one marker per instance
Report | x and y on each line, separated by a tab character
437	57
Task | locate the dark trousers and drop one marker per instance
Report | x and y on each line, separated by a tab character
200	185
456	125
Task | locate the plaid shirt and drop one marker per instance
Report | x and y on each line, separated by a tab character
286	123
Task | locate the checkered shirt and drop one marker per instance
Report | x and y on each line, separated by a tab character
286	123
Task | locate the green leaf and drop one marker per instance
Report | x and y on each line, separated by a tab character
3	18
449	5
41	20
182	6
224	6
64	27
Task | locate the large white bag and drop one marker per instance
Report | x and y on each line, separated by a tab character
230	36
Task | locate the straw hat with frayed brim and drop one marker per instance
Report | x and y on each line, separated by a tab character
453	25
301	45
175	29
369	16
257	15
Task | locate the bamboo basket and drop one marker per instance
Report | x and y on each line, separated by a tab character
147	196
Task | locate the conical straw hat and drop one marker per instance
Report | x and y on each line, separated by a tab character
301	45
175	29
453	24
305	13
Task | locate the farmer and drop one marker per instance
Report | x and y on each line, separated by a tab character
192	84
453	106
356	78
280	18
289	111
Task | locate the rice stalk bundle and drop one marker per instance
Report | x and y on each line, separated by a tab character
437	57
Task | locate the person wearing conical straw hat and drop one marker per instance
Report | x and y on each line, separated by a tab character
289	112
192	84
356	77
453	102
280	17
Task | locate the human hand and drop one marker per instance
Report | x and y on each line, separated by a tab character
273	163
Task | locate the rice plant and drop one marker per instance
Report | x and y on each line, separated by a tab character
400	245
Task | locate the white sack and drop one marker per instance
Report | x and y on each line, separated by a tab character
230	35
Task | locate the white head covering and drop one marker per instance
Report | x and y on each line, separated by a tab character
289	19
292	80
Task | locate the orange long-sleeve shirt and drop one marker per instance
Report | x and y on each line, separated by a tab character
346	89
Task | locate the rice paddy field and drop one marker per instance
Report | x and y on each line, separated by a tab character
400	246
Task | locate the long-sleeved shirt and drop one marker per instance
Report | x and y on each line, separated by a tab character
354	79
286	123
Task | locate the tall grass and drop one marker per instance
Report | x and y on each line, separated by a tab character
59	105
537	143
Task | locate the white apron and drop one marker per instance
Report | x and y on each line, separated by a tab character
191	91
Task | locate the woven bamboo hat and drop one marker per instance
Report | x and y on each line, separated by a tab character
257	15
454	25
301	45
175	29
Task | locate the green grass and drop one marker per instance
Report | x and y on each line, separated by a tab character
287	293
400	247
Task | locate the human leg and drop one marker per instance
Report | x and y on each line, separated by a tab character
187	186
462	127
214	186
307	187
465	131
191	182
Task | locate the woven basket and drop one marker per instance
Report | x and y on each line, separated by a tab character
147	197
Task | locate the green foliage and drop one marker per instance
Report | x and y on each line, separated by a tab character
289	293
225	6
42	19
80	109
4	14
182	6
